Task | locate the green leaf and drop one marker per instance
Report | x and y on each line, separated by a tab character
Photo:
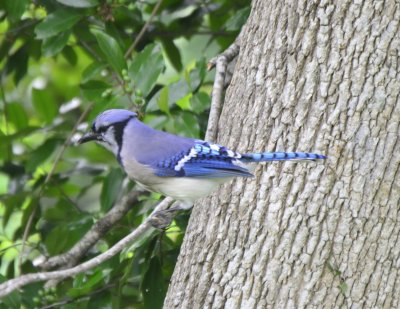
18	62
178	90
237	21
113	31
111	50
100	300
20	134
184	103
187	124
173	54
79	3
63	209
163	100
82	287
11	202
40	154
169	17
93	90
15	9
59	21
93	70
196	76
57	242
44	104
17	115
153	285
53	45
200	102
111	188
139	242
70	55
146	67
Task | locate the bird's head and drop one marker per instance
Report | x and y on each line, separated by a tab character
108	129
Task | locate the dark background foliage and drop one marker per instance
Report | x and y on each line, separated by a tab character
59	60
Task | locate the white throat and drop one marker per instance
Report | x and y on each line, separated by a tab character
109	141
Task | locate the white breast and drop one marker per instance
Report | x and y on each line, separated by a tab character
187	189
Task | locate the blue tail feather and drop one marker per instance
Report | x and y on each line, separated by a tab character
280	156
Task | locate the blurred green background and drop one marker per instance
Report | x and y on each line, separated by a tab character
59	59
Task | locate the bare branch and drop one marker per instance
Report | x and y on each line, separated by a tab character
221	63
13	284
98	230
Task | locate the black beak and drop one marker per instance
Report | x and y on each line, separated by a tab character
90	136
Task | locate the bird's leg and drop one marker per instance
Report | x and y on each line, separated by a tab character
163	218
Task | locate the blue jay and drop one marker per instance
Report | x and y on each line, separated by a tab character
183	168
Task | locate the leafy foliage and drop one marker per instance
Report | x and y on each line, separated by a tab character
59	59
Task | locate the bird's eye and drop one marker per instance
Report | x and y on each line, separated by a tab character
102	129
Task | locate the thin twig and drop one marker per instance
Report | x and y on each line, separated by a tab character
145	26
13	246
52	170
13	284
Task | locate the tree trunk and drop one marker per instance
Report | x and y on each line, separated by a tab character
319	76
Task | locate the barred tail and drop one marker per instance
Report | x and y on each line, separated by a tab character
280	156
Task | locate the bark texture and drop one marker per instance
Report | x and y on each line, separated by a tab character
317	76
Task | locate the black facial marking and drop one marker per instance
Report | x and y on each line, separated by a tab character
103	129
119	131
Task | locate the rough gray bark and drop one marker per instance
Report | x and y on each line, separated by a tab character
311	76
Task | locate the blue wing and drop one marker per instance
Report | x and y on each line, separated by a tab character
203	160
